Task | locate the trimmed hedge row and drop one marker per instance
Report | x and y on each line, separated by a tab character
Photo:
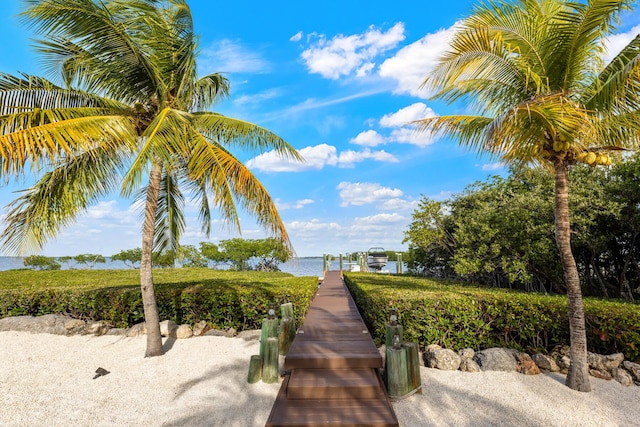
457	316
222	299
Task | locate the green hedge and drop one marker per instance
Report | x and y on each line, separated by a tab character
222	299
457	316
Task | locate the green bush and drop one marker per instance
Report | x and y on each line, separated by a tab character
457	316
222	299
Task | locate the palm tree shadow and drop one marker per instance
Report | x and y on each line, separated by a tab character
168	344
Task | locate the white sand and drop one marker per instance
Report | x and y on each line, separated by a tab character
47	380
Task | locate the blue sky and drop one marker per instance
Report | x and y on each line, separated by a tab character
339	80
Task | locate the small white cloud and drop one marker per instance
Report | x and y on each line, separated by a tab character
493	166
408	135
342	55
398	205
299	204
615	43
406	115
380	218
361	193
296	37
414	62
348	158
368	138
257	97
229	56
303	227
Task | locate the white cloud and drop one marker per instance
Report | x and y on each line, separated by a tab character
348	158
315	158
408	135
305	227
257	97
414	62
296	37
380	218
398	204
368	138
229	56
406	115
493	166
342	55
616	42
361	193
298	204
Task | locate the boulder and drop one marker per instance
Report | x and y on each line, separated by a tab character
168	328
526	365
117	331
605	375
469	365
250	335
445	359
466	353
74	327
97	328
137	330
184	331
560	350
622	376
199	328
230	333
633	368
564	362
545	362
496	359
214	333
604	363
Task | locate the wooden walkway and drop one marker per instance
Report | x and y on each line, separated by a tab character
334	379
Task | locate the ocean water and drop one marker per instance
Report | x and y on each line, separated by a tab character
311	266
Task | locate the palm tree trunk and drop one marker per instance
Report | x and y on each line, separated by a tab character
151	317
578	377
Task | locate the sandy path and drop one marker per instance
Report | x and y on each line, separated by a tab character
47	380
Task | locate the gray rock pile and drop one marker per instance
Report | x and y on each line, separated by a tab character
58	324
608	367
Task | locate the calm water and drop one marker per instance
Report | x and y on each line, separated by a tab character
296	266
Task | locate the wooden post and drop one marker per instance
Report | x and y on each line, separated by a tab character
396	372
413	366
286	310
270	364
390	330
340	264
284	336
255	369
269	330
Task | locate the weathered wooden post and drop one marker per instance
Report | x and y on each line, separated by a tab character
413	365
391	327
396	370
287	331
255	369
270	365
269	330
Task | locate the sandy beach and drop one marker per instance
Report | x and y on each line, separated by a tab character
48	380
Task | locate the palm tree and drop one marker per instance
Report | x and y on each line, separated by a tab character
538	91
132	114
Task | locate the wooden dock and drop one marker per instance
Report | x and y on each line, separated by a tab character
333	364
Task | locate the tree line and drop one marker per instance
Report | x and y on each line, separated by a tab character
500	232
234	254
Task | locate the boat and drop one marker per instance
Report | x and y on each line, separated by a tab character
376	258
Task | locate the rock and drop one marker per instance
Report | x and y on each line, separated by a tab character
445	359
466	353
137	330
564	362
230	333
432	347
250	335
74	326
605	375
545	362
184	331
214	333
604	363
199	328
97	328
526	365
168	328
117	331
560	350
496	359
633	368
469	365
622	376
